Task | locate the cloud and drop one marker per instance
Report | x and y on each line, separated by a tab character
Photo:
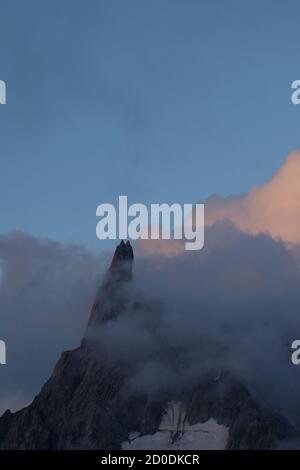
46	290
273	208
232	306
149	247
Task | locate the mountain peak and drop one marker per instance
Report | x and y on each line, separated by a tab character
109	300
123	254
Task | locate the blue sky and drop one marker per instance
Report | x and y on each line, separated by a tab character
164	101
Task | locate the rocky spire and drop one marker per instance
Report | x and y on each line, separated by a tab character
111	297
123	256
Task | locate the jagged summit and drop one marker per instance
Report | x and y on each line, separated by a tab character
110	299
123	254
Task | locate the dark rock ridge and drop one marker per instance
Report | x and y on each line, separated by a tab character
123	256
86	403
110	298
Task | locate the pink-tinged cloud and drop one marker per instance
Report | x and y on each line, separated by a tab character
272	208
156	247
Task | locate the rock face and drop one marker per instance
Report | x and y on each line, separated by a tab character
110	299
86	403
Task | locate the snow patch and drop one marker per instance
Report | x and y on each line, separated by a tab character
175	432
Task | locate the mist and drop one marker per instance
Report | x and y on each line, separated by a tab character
46	290
233	306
